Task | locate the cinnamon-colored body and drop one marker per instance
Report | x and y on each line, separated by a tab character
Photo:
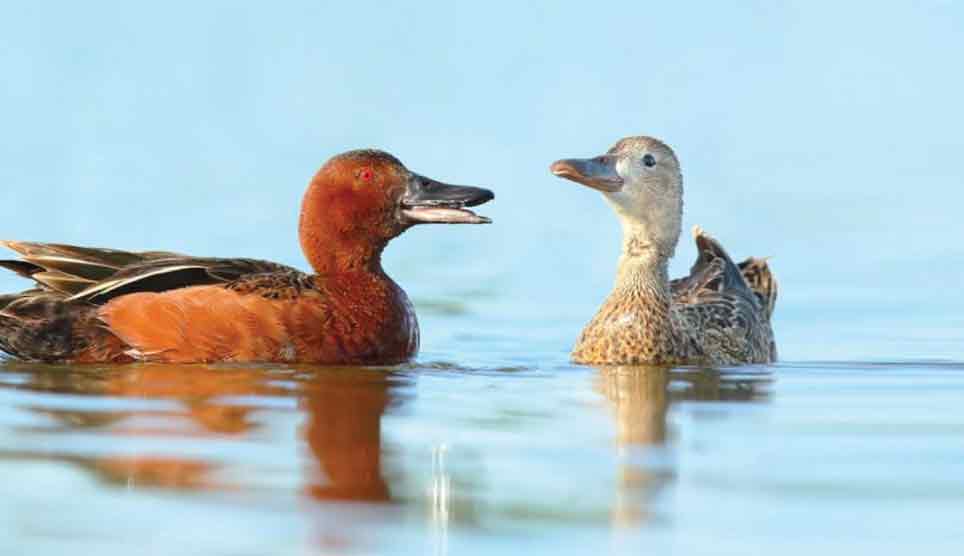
353	318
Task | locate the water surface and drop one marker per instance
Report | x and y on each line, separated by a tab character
440	458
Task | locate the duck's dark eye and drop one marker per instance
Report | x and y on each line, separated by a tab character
649	161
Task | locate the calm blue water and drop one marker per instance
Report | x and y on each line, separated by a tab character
826	136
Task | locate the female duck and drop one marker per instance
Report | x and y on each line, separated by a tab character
719	314
103	305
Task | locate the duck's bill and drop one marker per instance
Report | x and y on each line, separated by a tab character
443	216
430	202
598	173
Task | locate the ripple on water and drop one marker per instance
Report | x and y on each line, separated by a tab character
478	451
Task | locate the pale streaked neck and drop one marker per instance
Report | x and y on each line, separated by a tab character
643	266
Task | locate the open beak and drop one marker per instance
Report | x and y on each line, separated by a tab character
597	173
427	201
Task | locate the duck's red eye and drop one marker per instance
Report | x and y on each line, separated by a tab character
366	174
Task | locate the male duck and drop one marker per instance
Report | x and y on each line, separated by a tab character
103	305
719	314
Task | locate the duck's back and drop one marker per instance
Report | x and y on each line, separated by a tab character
721	311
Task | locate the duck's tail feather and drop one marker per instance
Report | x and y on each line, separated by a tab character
760	278
43	325
36	326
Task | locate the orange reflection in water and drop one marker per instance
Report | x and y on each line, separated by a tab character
342	421
344	433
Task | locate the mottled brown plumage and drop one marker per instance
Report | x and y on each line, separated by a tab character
719	314
105	305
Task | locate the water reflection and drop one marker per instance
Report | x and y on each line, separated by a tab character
320	434
139	407
640	399
344	432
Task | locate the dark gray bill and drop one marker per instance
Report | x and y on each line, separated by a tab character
597	173
427	201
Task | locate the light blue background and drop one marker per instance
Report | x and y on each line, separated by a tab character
826	134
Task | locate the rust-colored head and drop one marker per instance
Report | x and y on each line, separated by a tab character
359	200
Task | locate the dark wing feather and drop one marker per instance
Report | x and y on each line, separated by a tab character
96	256
68	268
173	273
60	282
98	275
712	271
23	268
52	279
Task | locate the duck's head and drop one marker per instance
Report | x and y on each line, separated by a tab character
361	199
640	178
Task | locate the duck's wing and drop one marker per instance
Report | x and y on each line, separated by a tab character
713	273
718	312
62	319
69	269
98	275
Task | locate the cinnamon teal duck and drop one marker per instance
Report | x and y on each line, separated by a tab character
93	305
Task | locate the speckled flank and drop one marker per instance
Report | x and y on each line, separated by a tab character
719	314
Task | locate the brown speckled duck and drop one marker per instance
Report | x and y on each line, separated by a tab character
718	315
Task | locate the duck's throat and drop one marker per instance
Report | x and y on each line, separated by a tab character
335	254
332	239
643	269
